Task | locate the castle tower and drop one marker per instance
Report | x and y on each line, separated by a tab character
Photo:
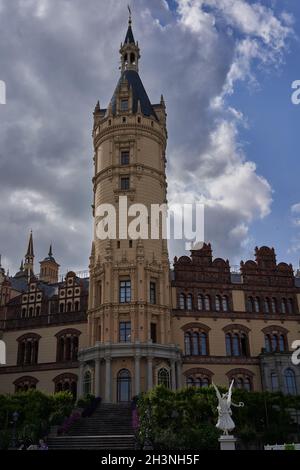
49	268
129	324
29	257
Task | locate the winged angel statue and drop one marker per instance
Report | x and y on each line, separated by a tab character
225	422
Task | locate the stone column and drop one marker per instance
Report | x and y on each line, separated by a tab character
108	397
137	375
173	375
179	374
149	373
97	377
80	381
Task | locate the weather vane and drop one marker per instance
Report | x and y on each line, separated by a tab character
129	9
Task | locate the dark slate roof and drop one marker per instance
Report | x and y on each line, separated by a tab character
19	284
139	94
129	36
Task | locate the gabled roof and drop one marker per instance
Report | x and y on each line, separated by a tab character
139	94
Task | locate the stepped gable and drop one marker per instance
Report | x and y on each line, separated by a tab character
265	271
201	267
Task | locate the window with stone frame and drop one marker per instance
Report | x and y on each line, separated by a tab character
196	340
23	384
198	377
125	291
237	340
28	348
275	339
66	383
125	331
243	379
67	345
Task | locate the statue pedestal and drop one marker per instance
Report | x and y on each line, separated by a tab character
227	442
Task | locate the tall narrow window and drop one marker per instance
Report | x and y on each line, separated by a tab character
152	293
125	291
182	301
256	304
207	302
124	105
274	305
225	305
125	157
290	382
164	378
125	183
218	303
283	305
125	332
153	332
189	302
200	302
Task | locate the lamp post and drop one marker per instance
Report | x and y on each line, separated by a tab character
15	418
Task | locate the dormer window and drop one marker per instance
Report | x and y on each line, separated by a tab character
124	105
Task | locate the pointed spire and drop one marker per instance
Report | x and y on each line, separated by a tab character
129	39
22	266
50	254
30	246
97	108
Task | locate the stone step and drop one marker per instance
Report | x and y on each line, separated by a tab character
92	442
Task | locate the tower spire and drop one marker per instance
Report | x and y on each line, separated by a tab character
29	257
130	52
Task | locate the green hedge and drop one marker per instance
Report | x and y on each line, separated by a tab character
186	419
37	412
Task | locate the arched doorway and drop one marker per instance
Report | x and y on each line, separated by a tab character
124	386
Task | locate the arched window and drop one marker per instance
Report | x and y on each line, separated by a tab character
200	302
87	383
281	343
23	384
189	302
28	349
274	305
218	303
198	377
76	305
290	382
250	304
61	308
30	312
290	306
236	345
283	305
67	345
124	386
196	343
164	378
256	304
243	379
225	304
188	344
274	382
268	346
207	303
267	305
66	382
69	306
203	344
237	342
275	341
23	312
190	382
38	310
182	302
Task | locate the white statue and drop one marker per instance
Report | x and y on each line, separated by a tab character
225	422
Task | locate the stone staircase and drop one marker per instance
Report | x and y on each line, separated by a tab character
109	427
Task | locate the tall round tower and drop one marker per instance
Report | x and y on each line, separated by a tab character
129	322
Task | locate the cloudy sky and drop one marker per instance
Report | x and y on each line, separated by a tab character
225	68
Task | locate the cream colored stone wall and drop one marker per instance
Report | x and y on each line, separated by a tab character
238	300
45	380
47	343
